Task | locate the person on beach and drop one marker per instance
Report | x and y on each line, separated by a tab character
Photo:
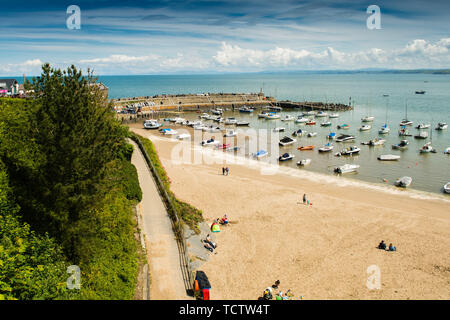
227	170
223	171
392	248
304	198
224	220
209	241
209	247
382	245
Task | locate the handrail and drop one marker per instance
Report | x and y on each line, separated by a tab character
174	217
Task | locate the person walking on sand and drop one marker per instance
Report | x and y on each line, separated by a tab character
227	171
304	198
223	171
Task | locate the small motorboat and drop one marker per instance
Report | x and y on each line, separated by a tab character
331	136
204	116
152	124
288	118
349	151
230	133
365	128
326	148
346	168
169	132
301	119
209	142
201	127
343	126
388	157
442	126
304	162
312	134
333	115
421	135
345	138
279	129
286	156
403	182
217	112
377	142
232	149
260	154
245	109
262	115
420	92
321	114
272	116
229	121
406	122
298	133
212	129
242	123
447	151
401	146
326	124
427	148
384	129
305	148
184	136
403	132
423	126
311	113
286	141
219	119
447	187
368	119
311	123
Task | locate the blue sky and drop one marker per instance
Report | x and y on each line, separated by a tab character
166	37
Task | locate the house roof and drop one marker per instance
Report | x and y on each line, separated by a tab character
7	83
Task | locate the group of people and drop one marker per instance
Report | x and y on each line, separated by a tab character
268	293
383	246
209	244
225	171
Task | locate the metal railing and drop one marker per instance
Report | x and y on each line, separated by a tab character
177	226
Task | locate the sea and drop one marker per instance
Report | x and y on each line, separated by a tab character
389	97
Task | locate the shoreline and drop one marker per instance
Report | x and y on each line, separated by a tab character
322	251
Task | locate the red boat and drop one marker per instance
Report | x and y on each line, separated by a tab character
311	123
304	148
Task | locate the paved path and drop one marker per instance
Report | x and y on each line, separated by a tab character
162	250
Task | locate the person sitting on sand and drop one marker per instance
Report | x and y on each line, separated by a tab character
209	247
392	248
209	241
382	245
268	294
224	220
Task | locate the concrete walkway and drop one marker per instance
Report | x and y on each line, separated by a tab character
167	281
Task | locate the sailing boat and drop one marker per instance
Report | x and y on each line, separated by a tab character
406	122
385	129
368	118
427	148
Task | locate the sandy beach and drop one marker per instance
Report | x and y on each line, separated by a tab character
321	251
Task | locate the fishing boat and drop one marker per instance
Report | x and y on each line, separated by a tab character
288	118
401	146
304	162
404	132
152	124
427	148
298	133
230	133
346	168
279	129
333	115
321	114
423	126
421	135
286	141
344	138
388	157
403	182
420	92
384	129
326	124
286	157
326	148
348	151
447	187
312	134
377	142
242	123
209	142
305	148
260	154
343	126
311	123
301	119
442	126
229	121
245	109
184	136
365	128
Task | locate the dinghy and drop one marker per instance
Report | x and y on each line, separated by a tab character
279	129
272	116
311	123
343	126
305	148
326	124
152	124
242	123
346	168
377	142
286	156
184	136
321	114
169	132
388	157
403	182
288	118
421	135
298	133
365	128
326	148
423	126
301	120
333	115
209	142
368	119
229	121
304	162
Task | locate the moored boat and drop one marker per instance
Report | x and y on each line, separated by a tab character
304	162
346	168
305	148
447	187
388	157
326	148
286	156
349	151
343	126
401	146
403	182
344	138
260	154
286	141
442	126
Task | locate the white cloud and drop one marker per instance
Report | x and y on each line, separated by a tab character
26	67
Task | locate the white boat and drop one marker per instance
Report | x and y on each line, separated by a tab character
311	113
349	151
344	138
325	124
447	187
401	146
169	132
427	148
423	126
262	115
216	111
286	156
304	162
403	132
421	135
230	121
184	136
272	116
403	182
301	120
279	129
210	142
442	126
204	116
211	129
333	115
286	141
368	119
179	120
298	133
406	122
365	128
245	109
377	142
219	119
288	118
230	133
388	157
260	154
384	129
242	123
447	151
201	127
321	114
346	168
326	148
152	124
312	134
331	136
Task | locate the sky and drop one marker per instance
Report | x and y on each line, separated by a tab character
220	36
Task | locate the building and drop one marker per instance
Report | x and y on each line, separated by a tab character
9	87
